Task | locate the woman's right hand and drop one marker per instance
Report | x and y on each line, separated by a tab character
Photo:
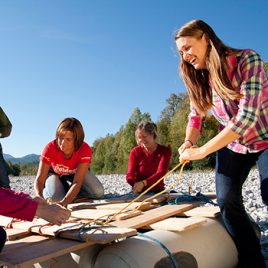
184	146
54	213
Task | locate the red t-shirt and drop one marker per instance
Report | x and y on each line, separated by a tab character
151	167
17	205
54	157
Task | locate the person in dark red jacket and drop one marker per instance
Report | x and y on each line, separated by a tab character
149	161
21	206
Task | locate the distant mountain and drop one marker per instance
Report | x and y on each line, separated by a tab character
30	158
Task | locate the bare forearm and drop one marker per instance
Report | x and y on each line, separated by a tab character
191	137
221	140
192	134
40	180
72	193
38	188
225	137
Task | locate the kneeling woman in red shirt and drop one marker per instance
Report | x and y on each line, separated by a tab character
149	161
63	169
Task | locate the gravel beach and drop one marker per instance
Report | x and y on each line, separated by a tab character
200	181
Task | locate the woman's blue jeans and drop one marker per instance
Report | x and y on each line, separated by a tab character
56	187
232	170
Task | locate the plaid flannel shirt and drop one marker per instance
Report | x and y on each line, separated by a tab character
248	116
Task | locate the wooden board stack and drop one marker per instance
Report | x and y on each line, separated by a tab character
37	241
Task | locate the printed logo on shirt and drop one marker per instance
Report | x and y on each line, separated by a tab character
86	158
63	170
46	158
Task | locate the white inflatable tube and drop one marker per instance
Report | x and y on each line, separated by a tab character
206	246
77	259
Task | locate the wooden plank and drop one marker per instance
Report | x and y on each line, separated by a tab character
40	252
109	205
13	234
133	206
152	216
128	215
23	242
5	221
208	211
83	232
103	214
43	227
156	200
92	204
100	235
178	224
93	213
27	225
88	205
51	230
211	195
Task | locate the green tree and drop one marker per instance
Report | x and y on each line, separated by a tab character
178	127
266	68
110	155
98	156
163	131
209	131
28	169
13	169
172	105
127	139
166	116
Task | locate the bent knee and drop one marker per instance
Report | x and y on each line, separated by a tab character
230	202
99	193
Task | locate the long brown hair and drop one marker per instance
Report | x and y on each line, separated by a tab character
198	81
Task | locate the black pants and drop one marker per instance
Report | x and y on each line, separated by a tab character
232	170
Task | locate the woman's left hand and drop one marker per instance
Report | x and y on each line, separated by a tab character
193	153
138	186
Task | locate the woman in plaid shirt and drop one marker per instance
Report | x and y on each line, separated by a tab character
231	84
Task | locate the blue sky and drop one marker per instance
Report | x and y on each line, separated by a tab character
98	60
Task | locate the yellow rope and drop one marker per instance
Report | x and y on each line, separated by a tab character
165	190
147	190
112	217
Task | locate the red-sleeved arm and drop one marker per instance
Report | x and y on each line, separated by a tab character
132	167
17	205
162	167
